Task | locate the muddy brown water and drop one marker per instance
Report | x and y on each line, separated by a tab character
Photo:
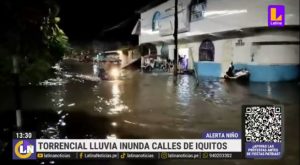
152	105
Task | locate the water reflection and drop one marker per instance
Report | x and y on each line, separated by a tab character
115	90
53	82
269	89
284	92
212	90
117	105
184	91
163	107
114	124
57	96
111	136
110	104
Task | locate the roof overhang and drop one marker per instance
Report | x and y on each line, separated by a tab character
150	5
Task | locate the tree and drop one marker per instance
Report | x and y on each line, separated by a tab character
31	33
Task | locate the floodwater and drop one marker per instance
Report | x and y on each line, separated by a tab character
144	105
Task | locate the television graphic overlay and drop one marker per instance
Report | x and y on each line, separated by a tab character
24	149
24	145
263	129
276	16
262	137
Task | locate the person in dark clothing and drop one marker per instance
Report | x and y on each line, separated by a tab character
179	65
230	71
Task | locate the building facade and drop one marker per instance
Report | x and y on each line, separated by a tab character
214	33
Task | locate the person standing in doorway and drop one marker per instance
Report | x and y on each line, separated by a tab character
180	61
185	63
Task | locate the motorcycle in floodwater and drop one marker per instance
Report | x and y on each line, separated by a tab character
108	67
241	75
111	73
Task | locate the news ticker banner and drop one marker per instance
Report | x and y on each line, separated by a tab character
262	137
210	147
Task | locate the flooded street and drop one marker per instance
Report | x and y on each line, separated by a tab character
78	105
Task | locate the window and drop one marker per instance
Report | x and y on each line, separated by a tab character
206	51
197	9
155	21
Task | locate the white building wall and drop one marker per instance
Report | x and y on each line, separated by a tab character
264	54
243	54
220	16
228	15
194	51
226	50
279	54
158	48
171	52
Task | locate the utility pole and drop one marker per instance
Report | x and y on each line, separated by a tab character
175	37
16	70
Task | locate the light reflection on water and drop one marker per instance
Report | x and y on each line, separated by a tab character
111	136
114	124
212	90
147	100
157	103
116	104
269	90
57	96
184	91
112	105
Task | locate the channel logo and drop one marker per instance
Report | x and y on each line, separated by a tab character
276	16
24	149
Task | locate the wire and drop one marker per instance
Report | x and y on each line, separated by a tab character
122	23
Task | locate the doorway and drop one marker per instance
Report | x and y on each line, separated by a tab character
183	59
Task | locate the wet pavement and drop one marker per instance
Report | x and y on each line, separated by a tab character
78	105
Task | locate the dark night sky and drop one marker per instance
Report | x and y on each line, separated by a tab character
84	20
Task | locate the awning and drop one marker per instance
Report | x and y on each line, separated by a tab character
137	28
